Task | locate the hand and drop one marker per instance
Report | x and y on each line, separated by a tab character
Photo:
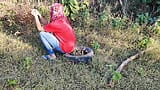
34	12
38	13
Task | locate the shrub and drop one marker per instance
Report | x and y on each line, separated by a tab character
71	8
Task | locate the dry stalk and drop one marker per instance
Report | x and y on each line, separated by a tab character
125	63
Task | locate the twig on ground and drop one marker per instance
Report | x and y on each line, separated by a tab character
125	63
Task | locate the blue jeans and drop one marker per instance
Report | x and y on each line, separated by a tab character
50	42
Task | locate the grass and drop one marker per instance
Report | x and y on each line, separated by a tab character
22	67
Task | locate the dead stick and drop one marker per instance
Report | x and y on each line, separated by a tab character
125	63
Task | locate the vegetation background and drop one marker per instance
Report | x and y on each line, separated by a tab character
114	29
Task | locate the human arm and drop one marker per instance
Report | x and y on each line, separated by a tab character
38	24
42	19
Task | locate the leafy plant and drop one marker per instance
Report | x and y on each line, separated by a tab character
144	42
84	10
27	63
84	4
135	26
43	10
118	22
95	45
116	75
141	71
71	8
156	27
156	30
143	18
11	83
83	17
103	18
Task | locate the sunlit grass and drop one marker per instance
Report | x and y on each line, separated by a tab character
111	47
14	47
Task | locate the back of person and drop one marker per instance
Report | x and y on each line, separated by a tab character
58	35
64	33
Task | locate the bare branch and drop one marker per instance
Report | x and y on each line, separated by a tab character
125	63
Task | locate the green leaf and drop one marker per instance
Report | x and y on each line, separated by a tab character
73	2
144	42
27	62
116	76
11	82
66	11
74	10
86	3
62	1
71	8
73	16
96	45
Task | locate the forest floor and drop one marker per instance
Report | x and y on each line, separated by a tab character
21	66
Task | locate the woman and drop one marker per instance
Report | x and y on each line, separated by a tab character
57	35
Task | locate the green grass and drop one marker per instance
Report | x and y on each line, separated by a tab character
22	66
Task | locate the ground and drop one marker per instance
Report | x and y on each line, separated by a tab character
22	67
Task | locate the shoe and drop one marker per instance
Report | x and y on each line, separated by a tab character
49	57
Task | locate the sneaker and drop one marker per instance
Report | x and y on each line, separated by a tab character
49	57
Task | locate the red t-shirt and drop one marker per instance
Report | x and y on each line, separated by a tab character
64	33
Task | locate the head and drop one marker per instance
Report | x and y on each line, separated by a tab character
57	11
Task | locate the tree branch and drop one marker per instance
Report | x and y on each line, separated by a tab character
125	63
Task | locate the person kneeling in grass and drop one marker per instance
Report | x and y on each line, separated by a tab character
56	36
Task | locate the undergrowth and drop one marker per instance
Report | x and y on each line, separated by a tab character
113	40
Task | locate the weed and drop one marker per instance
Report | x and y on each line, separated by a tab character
83	18
135	27
116	45
144	42
103	19
27	63
95	45
119	23
141	71
11	83
116	76
143	18
156	27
